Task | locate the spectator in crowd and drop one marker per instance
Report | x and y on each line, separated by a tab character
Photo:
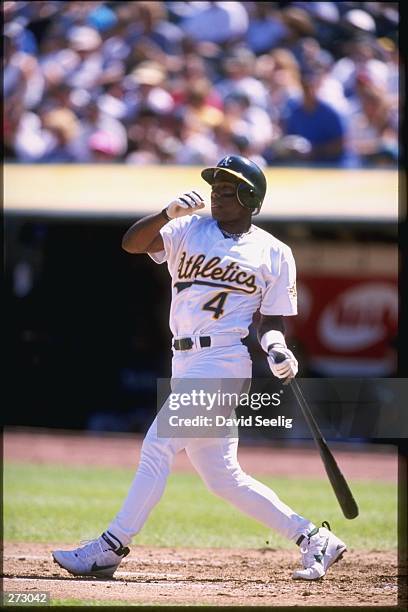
151	23
14	85
218	22
57	61
310	53
374	125
63	126
226	139
152	138
142	139
249	120
22	68
280	73
356	20
245	147
24	135
150	90
198	109
388	50
319	129
104	147
102	18
266	28
330	89
116	101
239	68
328	28
94	69
359	55
93	120
298	24
198	144
193	70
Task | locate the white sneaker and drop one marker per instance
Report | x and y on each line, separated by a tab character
100	557
320	549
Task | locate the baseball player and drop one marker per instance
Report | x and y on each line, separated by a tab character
223	269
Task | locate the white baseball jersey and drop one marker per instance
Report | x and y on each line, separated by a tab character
218	283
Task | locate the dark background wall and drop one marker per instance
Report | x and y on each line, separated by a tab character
83	315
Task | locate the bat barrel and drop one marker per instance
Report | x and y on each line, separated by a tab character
340	486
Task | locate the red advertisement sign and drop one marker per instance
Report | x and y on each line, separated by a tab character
348	325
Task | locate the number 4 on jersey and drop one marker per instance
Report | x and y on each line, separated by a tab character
216	304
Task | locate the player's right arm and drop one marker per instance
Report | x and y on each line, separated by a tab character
144	235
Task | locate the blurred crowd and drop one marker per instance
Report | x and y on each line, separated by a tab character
151	82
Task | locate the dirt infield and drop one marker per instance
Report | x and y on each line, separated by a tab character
122	450
209	576
189	577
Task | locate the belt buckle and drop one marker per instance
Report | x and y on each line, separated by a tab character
185	344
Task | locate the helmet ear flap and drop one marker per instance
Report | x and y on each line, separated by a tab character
247	197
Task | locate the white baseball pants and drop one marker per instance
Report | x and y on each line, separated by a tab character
215	459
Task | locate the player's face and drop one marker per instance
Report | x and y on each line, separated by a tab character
224	202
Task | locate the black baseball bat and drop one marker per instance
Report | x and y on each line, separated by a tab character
337	480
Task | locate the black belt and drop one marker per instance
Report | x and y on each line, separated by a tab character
185	344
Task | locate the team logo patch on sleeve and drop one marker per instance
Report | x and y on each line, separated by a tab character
292	291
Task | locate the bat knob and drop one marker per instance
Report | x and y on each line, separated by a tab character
277	356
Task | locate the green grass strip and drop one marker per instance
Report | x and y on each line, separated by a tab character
52	503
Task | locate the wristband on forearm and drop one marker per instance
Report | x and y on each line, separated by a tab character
272	337
165	214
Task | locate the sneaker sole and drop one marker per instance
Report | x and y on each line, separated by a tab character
94	575
338	558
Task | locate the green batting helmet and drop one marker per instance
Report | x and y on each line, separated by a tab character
251	188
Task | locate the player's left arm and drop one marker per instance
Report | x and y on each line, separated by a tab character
279	300
270	322
271	336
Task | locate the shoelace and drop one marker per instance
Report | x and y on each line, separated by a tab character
312	549
90	547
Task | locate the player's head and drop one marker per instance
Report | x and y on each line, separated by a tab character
249	179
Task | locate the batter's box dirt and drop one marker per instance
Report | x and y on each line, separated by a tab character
208	576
